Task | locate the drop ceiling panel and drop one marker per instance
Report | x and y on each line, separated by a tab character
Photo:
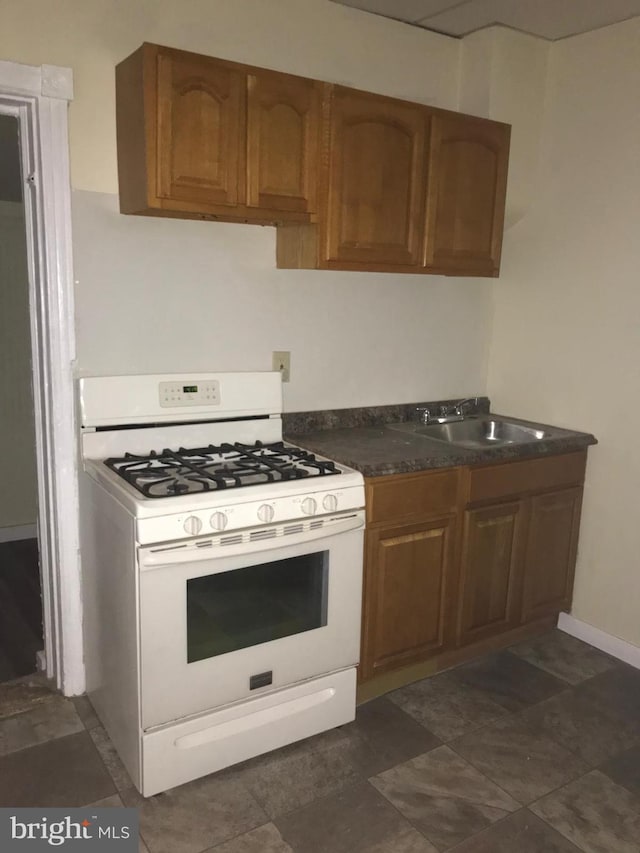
550	19
401	10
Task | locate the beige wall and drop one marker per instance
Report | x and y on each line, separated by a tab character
18	491
566	335
503	76
155	295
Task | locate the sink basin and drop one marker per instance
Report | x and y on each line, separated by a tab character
476	432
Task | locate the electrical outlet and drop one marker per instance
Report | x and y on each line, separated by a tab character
282	362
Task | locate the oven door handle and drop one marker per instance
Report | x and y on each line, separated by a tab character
158	557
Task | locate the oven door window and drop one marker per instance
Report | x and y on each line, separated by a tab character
248	606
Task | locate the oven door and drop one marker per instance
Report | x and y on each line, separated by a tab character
235	616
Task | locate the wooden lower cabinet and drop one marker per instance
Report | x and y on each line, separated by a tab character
552	543
466	559
409	593
490	571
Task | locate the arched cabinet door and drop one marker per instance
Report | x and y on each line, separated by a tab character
468	160
376	160
200	129
283	126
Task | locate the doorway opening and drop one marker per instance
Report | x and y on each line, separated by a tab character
37	98
21	633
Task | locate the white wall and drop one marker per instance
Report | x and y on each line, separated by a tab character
164	295
566	335
17	439
207	296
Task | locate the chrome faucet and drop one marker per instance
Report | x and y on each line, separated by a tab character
458	408
446	414
426	415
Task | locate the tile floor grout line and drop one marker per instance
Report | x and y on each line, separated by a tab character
557	740
451	850
497	823
396	809
538	667
513	797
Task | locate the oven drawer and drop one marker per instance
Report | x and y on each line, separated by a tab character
183	751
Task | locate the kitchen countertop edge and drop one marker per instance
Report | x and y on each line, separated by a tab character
377	451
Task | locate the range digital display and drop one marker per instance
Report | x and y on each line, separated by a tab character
189	389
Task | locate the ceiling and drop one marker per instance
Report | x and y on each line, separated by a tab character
549	19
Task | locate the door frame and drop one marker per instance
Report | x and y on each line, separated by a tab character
39	96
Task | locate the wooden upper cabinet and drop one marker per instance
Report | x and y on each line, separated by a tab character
376	181
208	138
283	126
355	180
468	160
201	130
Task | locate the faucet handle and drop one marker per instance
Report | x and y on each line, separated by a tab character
425	414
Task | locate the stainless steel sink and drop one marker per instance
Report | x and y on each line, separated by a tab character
475	432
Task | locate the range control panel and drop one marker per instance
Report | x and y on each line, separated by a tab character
187	393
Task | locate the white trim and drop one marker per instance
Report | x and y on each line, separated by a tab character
57	82
613	646
39	97
49	81
17	532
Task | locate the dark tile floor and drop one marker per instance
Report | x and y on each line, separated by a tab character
532	750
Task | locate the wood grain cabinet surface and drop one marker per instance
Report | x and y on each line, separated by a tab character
376	181
468	159
207	138
404	188
283	135
463	560
409	581
490	571
409	593
353	180
552	543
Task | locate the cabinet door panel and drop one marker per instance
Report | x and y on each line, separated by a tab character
283	126
408	594
376	180
491	571
201	130
465	203
552	543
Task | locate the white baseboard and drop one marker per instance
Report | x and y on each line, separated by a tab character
22	531
613	646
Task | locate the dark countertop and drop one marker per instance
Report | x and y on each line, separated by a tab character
378	450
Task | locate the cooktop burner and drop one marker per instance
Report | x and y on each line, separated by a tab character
205	469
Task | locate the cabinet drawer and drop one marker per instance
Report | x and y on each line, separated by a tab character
411	496
533	475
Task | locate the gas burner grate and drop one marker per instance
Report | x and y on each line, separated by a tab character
203	469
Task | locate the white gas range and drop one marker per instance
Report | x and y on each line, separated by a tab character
222	573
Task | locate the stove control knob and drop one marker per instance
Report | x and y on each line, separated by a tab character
265	513
330	503
309	506
218	521
192	525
